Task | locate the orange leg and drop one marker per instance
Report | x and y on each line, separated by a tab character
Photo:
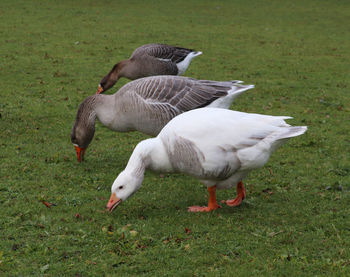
212	205
240	196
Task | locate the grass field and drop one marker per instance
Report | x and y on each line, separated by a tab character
295	220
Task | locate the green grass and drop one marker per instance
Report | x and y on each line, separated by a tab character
54	54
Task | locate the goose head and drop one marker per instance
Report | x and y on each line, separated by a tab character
81	138
111	78
84	126
125	185
105	84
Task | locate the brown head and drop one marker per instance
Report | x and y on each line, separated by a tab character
111	78
84	126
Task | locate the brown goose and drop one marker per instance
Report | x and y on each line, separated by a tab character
148	104
150	60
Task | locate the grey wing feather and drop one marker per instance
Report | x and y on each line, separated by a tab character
163	51
180	93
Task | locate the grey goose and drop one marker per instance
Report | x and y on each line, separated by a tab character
150	60
148	104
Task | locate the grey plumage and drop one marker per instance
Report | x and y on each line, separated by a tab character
162	51
150	60
148	104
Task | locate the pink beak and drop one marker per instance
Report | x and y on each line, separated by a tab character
113	202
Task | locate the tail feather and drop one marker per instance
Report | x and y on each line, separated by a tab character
292	131
183	64
279	138
234	89
238	89
196	53
258	154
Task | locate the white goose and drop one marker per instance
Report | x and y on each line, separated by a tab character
218	146
148	104
150	60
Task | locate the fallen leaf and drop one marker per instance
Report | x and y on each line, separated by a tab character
268	191
141	246
166	241
188	231
275	233
44	268
48	204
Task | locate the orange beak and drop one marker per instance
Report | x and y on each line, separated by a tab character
99	89
113	202
80	153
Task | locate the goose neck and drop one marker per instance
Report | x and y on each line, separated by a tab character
141	158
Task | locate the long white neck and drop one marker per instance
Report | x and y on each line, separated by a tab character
149	153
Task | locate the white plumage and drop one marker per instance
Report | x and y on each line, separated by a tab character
183	65
218	146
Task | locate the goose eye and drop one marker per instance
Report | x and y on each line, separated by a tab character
121	187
